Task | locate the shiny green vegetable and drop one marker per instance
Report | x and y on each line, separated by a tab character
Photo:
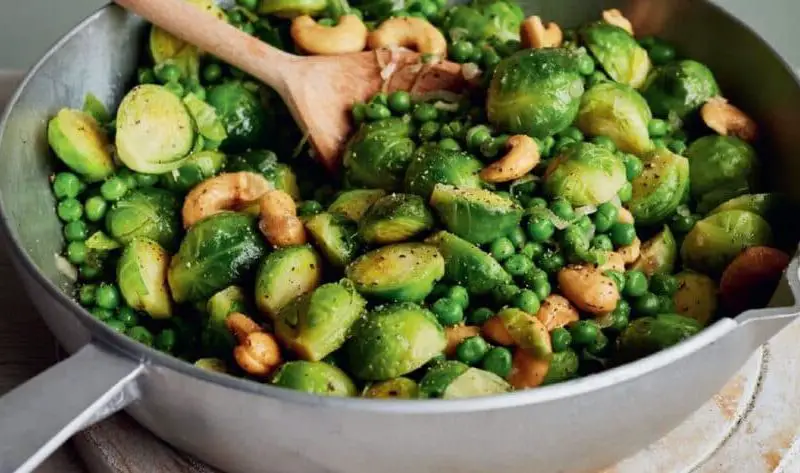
81	144
314	377
585	174
335	236
648	335
476	215
722	167
142	278
432	165
353	204
696	297
246	122
618	112
147	213
468	265
679	88
658	254
197	168
618	53
395	218
216	338
266	163
397	388
285	275
659	189
456	380
379	153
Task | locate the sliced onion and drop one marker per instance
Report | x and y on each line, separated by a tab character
585	210
616	201
440	95
66	268
557	221
446	106
386	72
470	71
300	145
379	58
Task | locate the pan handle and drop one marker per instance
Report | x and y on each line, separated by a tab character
39	416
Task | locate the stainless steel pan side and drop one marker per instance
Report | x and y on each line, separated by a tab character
240	426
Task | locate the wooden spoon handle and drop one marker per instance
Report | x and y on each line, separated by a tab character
215	36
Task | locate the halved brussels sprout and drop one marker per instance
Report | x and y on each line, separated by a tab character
150	213
167	49
659	189
212	364
142	278
618	112
379	153
81	144
717	239
246	120
292	8
649	335
216	338
433	165
216	252
314	377
353	204
197	168
393	341
528	332
317	323
336	237
658	254
535	92
722	167
395	218
285	275
696	297
467	265
679	88
585	174
266	163
96	108
397	388
99	241
762	204
155	131
456	380
563	366
404	272
205	117
476	215
618	52
483	20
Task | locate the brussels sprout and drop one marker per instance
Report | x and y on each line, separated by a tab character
94	107
585	174
618	52
648	335
716	240
456	380
393	341
167	49
81	144
216	338
762	204
286	274
377	10
618	112
266	163
722	167
466	22
563	366
336	236
395	218
476	215
211	364
696	297
535	92
404	272
314	377
216	252
433	165
292	8
504	19
142	278
150	213
205	117
317	323
659	189
679	88
246	121
99	241
197	168
155	131
658	254
528	332
467	265
354	204
397	388
379	153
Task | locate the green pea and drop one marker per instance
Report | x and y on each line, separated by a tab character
461	51
113	189
526	300
586	65
101	313
659	143
504	293
626	193
76	231
647	304
477	135
176	88
518	238
603	222
574	240
682	223
647	42
439	290
199	91
636	284
600	343
146	180
472	350
540	229
560	339
70	210
518	265
425	112
377	111
448	311
451	130
502	249
359	112
145	75
67	185
542	288
664	284
141	335
618	277
677	146
165	340
479	316
573	133
537	203
380	98
428	131
563	209
235	16
95	208
622	234
602	242
76	252
532	250
128	177
546	146
661	53
551	261
116	325
166	73
605	142
89	271
584	332
490	59
498	360
491	148
212	72
128	316
86	294
107	296
657	128
620	317
597	77
400	102
633	167
309	208
449	144
460	295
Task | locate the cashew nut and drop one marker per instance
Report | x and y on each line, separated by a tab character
616	18
457	334
409	32
527	371
230	191
522	157
349	36
258	352
614	262
630	253
495	330
556	312
535	35
624	216
588	289
727	119
279	221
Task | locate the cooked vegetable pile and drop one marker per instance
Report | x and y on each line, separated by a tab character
588	200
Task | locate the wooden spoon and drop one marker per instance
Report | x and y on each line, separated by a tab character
319	90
